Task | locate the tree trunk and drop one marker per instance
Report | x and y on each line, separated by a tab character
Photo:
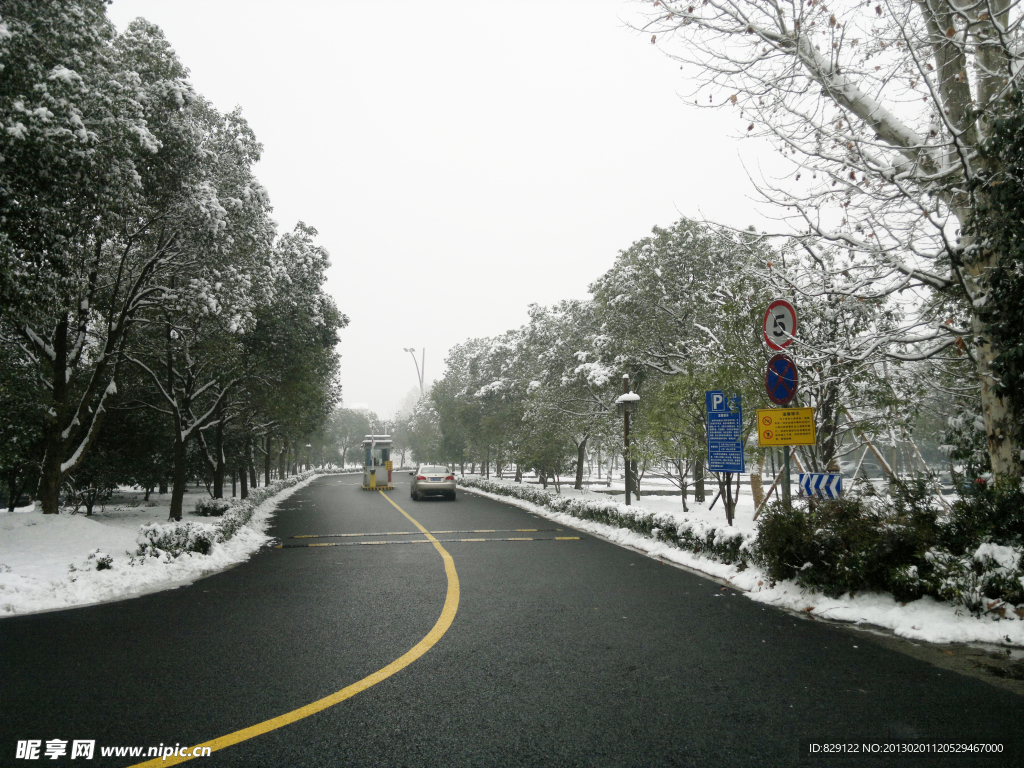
13	489
163	484
180	477
57	440
698	480
266	463
219	466
995	409
244	478
756	486
248	467
51	477
581	456
727	499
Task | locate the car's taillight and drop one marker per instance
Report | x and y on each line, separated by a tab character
420	477
450	477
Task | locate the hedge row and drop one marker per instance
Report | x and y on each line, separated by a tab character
721	543
904	543
170	540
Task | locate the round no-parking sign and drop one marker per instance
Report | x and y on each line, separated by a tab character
779	325
781	379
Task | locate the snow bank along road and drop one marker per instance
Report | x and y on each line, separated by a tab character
508	642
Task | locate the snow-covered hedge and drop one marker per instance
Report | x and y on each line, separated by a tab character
726	545
904	547
212	507
170	540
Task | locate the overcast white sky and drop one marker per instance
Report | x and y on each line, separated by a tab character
461	159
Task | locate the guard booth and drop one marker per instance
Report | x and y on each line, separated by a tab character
377	463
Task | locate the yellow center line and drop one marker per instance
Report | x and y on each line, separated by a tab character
451	605
349	535
407	533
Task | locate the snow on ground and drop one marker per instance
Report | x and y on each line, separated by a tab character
926	619
45	559
37	552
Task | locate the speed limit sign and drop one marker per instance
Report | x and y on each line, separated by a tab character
779	325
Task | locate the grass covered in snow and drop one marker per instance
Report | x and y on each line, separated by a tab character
49	562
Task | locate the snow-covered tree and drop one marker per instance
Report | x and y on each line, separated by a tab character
684	303
479	399
95	149
289	361
192	347
881	107
562	374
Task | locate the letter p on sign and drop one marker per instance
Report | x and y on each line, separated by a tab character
717	401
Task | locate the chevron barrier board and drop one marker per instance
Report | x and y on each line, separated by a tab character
821	485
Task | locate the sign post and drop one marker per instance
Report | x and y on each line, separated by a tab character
725	439
781	379
787	493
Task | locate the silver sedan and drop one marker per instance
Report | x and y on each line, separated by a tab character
432	480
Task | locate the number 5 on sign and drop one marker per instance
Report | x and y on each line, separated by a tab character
779	325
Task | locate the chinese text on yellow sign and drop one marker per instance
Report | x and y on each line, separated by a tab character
785	426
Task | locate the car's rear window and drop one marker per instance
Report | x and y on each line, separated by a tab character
433	470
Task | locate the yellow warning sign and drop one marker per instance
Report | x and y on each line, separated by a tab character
785	426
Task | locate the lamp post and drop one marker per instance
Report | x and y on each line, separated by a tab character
625	405
421	366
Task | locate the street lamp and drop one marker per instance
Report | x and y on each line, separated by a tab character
624	406
420	368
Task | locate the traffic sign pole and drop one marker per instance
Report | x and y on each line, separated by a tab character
787	499
781	380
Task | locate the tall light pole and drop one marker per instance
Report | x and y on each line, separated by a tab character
625	405
421	366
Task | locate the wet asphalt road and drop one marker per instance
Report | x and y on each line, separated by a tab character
562	653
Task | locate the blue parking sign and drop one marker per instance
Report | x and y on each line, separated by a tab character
725	432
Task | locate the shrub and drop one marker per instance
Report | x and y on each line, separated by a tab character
726	545
903	544
846	545
212	507
171	540
104	562
990	513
